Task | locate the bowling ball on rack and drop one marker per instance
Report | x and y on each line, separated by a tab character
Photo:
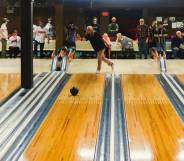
74	91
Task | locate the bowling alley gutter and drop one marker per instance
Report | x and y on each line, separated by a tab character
178	81
172	88
174	92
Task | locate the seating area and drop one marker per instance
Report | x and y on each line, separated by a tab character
85	50
49	47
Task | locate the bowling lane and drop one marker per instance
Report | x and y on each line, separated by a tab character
8	83
181	78
156	133
69	131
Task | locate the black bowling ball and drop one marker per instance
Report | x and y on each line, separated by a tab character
74	91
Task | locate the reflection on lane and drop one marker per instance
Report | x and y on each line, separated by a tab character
69	131
8	83
154	128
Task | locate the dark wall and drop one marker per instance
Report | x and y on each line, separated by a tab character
127	17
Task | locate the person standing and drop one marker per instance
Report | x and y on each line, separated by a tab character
4	36
15	43
160	37
95	25
142	36
71	33
151	41
113	29
34	31
98	45
40	35
50	30
182	27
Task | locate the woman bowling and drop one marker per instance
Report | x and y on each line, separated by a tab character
98	45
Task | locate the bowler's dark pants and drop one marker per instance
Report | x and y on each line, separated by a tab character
13	51
36	43
143	48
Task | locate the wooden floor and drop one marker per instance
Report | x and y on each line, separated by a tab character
156	133
69	131
181	78
8	83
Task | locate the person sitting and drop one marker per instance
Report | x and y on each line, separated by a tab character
177	45
126	42
15	43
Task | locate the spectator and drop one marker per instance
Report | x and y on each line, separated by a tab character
177	45
34	32
78	37
151	40
113	29
142	36
182	27
4	36
71	32
160	37
40	35
95	25
50	30
15	43
126	42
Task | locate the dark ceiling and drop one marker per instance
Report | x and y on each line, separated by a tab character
108	3
125	3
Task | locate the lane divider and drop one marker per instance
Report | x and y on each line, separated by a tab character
173	88
175	83
112	131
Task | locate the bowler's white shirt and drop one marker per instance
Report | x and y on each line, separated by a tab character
4	31
15	41
40	34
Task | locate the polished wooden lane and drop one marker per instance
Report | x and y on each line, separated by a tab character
69	131
8	83
156	133
181	78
